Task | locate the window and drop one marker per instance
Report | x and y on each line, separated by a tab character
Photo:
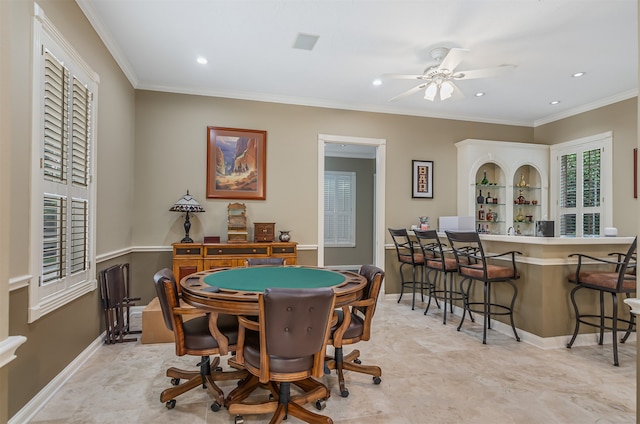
339	209
582	190
63	196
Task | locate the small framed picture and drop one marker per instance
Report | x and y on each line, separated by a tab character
422	183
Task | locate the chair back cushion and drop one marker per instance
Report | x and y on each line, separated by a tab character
265	261
167	301
374	276
296	321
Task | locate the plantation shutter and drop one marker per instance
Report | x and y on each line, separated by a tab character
65	164
339	201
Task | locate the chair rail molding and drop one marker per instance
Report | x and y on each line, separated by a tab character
8	348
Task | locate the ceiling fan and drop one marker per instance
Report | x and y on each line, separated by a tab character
440	78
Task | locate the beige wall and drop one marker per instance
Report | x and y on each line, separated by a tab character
621	119
56	339
151	148
5	192
171	151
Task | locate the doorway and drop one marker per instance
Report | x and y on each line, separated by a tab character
355	147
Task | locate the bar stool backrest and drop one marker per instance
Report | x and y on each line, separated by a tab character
432	250
405	248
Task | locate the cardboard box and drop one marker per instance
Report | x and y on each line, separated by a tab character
154	329
456	223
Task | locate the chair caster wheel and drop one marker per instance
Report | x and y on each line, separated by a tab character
238	419
215	406
271	396
357	361
170	404
376	380
321	404
175	381
218	369
344	393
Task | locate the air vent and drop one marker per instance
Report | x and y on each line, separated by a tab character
305	41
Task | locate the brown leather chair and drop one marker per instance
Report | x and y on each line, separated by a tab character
193	337
293	326
474	267
358	328
264	262
437	262
409	254
621	280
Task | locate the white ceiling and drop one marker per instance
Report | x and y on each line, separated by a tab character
249	47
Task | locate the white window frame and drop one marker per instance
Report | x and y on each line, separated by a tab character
350	239
604	142
49	297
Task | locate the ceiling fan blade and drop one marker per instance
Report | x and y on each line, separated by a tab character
403	76
483	73
457	93
408	92
453	59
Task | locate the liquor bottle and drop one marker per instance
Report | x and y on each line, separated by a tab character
489	199
481	214
489	215
484	181
480	198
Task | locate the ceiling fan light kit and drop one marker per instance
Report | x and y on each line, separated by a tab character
439	78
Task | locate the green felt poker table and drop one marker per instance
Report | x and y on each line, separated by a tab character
235	290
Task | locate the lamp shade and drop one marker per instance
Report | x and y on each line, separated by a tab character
187	204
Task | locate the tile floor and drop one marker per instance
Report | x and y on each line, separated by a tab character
430	373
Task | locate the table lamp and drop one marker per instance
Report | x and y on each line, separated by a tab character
187	204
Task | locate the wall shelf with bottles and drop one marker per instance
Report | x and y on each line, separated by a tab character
508	173
526	200
490	192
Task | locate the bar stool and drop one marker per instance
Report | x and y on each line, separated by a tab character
621	280
472	267
443	267
408	254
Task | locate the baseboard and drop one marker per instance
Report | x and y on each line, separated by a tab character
30	410
545	343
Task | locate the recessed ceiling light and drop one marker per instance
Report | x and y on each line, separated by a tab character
554	102
201	60
578	74
480	94
377	81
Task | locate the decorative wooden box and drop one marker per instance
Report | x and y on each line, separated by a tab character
264	231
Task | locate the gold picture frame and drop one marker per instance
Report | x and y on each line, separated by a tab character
236	163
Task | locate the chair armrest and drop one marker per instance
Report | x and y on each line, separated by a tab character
601	260
497	255
248	323
362	302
